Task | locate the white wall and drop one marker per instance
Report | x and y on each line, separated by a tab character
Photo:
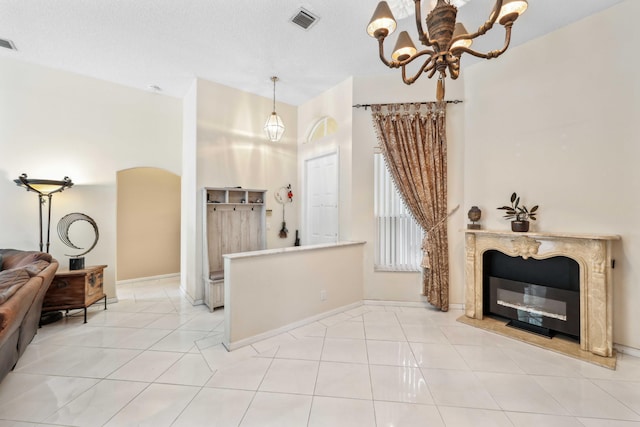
556	120
389	89
55	123
232	151
189	265
335	102
268	291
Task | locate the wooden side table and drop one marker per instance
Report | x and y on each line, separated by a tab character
71	289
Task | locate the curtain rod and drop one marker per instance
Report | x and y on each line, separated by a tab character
365	106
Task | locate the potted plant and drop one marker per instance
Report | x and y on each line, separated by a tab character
519	214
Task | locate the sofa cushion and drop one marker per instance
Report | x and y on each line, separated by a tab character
36	267
11	281
0	262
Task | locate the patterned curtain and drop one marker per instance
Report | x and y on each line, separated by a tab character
413	141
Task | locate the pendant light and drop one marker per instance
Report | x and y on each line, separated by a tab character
274	127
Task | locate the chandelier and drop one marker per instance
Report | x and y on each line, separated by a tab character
274	127
445	39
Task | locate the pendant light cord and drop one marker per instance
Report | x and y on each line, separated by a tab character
274	79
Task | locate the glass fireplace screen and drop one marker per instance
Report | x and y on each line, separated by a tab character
543	306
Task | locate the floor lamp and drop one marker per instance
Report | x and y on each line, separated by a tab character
45	188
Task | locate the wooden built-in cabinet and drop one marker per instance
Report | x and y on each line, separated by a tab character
233	221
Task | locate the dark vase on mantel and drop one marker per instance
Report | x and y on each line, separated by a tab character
520	226
474	215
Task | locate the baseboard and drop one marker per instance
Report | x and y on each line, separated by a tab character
291	326
272	333
418	304
188	297
630	351
147	279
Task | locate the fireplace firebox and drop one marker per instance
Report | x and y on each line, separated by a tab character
539	309
541	296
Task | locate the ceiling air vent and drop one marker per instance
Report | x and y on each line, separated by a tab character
304	19
7	44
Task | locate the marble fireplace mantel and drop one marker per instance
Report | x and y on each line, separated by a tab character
592	252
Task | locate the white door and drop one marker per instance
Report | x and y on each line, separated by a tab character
321	224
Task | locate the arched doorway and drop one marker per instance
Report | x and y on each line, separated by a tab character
147	223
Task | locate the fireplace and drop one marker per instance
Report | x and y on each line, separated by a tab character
590	282
536	308
541	296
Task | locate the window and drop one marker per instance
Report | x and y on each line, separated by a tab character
323	127
398	244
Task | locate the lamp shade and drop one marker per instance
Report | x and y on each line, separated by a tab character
274	127
43	186
404	48
460	30
45	189
510	7
382	22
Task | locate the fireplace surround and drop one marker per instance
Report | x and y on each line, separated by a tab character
592	253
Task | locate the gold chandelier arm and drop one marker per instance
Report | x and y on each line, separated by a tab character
418	55
487	25
491	54
422	34
454	66
381	53
398	64
429	65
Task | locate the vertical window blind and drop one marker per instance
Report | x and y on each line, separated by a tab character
398	244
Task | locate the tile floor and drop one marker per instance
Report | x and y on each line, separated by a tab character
153	359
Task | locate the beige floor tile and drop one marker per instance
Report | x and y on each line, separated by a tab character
277	410
215	407
344	350
395	414
97	405
158	405
245	375
146	367
290	376
343	380
413	365
333	412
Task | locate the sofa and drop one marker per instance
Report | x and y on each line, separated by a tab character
25	277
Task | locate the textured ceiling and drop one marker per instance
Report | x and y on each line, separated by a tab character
238	43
